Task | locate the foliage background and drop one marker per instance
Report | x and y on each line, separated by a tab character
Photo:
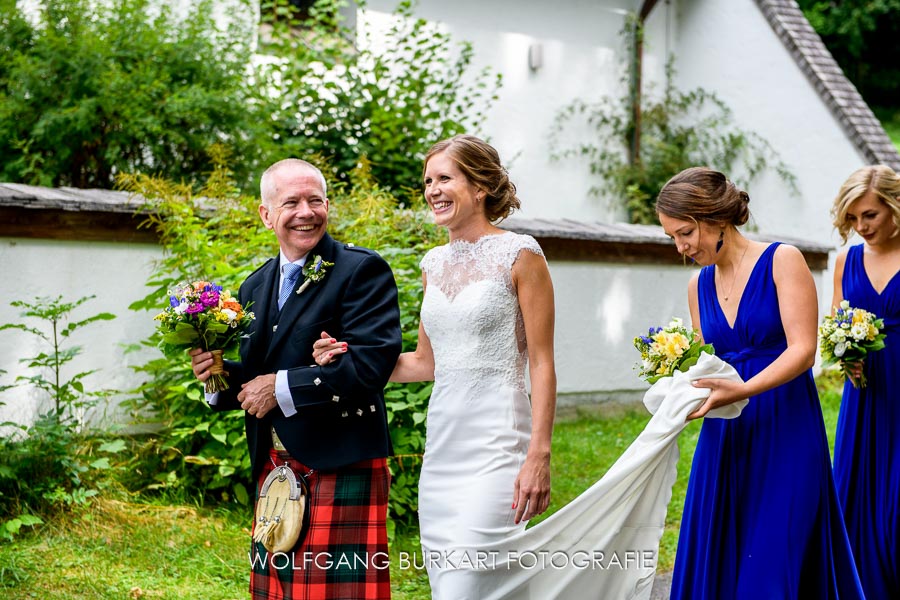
92	91
862	36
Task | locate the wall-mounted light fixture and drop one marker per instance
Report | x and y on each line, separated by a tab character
535	56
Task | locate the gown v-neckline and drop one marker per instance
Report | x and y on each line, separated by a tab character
862	260
737	313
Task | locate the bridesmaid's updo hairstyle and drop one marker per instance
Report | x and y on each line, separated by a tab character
480	163
878	179
702	194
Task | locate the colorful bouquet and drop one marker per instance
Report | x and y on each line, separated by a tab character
665	350
847	337
203	315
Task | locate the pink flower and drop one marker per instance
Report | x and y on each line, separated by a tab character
209	299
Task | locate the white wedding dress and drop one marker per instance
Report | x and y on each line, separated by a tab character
478	431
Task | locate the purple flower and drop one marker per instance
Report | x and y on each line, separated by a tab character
209	298
173	301
318	266
194	308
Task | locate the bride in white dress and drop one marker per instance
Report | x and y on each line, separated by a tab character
487	312
488	309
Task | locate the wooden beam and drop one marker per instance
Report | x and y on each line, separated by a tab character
646	9
95	226
572	250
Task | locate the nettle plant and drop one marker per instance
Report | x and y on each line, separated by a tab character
50	464
636	154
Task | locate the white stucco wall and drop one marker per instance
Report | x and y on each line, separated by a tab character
581	59
115	273
729	48
600	307
599	310
724	47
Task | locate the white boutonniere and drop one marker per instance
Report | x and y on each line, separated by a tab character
313	271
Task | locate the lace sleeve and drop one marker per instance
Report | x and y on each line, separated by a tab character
524	242
431	262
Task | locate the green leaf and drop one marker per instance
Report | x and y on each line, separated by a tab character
113	447
30	520
100	463
183	337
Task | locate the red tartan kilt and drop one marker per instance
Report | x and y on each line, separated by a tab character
344	555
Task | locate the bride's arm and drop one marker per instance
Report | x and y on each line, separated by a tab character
417	365
411	366
535	291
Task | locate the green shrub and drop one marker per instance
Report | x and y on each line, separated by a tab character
48	464
94	90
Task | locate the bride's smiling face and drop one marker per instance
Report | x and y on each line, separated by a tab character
694	239
454	200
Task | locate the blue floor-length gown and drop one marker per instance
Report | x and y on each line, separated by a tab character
867	444
761	516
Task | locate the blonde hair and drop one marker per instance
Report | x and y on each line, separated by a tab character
480	163
878	179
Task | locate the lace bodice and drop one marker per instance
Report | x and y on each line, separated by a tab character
471	312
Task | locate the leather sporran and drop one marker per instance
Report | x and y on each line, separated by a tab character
282	510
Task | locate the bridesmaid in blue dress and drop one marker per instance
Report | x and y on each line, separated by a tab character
761	516
867	444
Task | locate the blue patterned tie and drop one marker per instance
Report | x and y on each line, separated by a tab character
291	272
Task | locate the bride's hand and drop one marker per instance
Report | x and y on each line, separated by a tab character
531	495
327	349
722	392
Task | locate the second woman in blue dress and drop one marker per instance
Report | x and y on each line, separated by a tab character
867	444
761	517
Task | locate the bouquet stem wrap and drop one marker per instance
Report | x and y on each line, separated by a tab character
217	382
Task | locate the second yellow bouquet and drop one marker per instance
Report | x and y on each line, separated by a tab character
665	350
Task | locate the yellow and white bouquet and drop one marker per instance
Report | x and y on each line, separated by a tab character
665	350
847	336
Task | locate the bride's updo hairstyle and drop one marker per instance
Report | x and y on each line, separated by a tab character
702	194
480	163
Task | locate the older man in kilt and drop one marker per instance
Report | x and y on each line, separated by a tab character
327	423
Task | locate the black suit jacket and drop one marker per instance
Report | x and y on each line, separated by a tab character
341	417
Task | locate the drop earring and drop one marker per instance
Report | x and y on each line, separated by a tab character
721	241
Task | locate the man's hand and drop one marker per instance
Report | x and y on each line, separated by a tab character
257	396
201	361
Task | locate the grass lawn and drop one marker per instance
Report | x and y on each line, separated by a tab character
117	549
